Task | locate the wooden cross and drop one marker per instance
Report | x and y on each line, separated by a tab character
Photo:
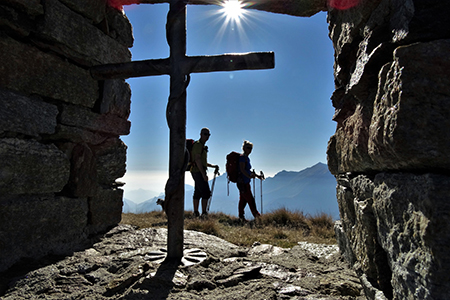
179	66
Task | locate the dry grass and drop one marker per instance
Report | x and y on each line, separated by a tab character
281	228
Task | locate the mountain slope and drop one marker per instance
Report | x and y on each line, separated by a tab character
312	190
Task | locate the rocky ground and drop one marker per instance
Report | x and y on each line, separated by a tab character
127	263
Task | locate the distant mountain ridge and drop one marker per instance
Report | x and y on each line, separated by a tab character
312	191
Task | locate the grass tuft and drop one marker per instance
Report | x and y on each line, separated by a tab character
279	235
205	226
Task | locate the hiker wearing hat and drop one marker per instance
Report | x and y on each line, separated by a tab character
198	171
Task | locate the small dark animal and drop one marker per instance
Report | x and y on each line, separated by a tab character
162	202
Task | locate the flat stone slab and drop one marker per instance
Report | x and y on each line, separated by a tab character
127	263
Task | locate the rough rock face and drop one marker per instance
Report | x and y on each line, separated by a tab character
60	152
390	150
126	264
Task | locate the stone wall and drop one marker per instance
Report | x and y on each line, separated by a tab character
390	152
60	151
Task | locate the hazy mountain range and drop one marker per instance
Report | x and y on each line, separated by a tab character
312	190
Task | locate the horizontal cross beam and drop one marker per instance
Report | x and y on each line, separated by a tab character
191	64
299	8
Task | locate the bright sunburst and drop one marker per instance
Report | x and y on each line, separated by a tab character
232	9
233	20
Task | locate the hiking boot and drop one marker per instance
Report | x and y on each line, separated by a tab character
196	214
204	215
242	219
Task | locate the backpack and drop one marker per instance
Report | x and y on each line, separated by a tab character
232	166
189	144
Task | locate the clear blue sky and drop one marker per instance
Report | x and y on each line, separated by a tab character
286	112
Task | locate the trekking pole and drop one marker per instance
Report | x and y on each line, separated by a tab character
216	172
254	189
262	178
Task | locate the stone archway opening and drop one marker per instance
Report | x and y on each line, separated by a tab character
170	67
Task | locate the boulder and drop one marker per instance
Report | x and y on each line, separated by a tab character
38	225
408	126
413	214
28	167
105	209
111	159
83	172
116	98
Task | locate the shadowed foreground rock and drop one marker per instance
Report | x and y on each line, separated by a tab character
125	263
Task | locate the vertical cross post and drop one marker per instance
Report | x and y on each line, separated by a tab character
176	120
179	66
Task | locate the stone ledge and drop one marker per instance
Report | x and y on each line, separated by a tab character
76	38
92	9
29	116
32	7
31	71
82	117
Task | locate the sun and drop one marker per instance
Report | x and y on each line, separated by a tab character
232	9
234	18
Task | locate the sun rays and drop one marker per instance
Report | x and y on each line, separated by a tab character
234	22
226	26
232	10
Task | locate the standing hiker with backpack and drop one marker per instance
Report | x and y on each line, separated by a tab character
243	182
198	170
